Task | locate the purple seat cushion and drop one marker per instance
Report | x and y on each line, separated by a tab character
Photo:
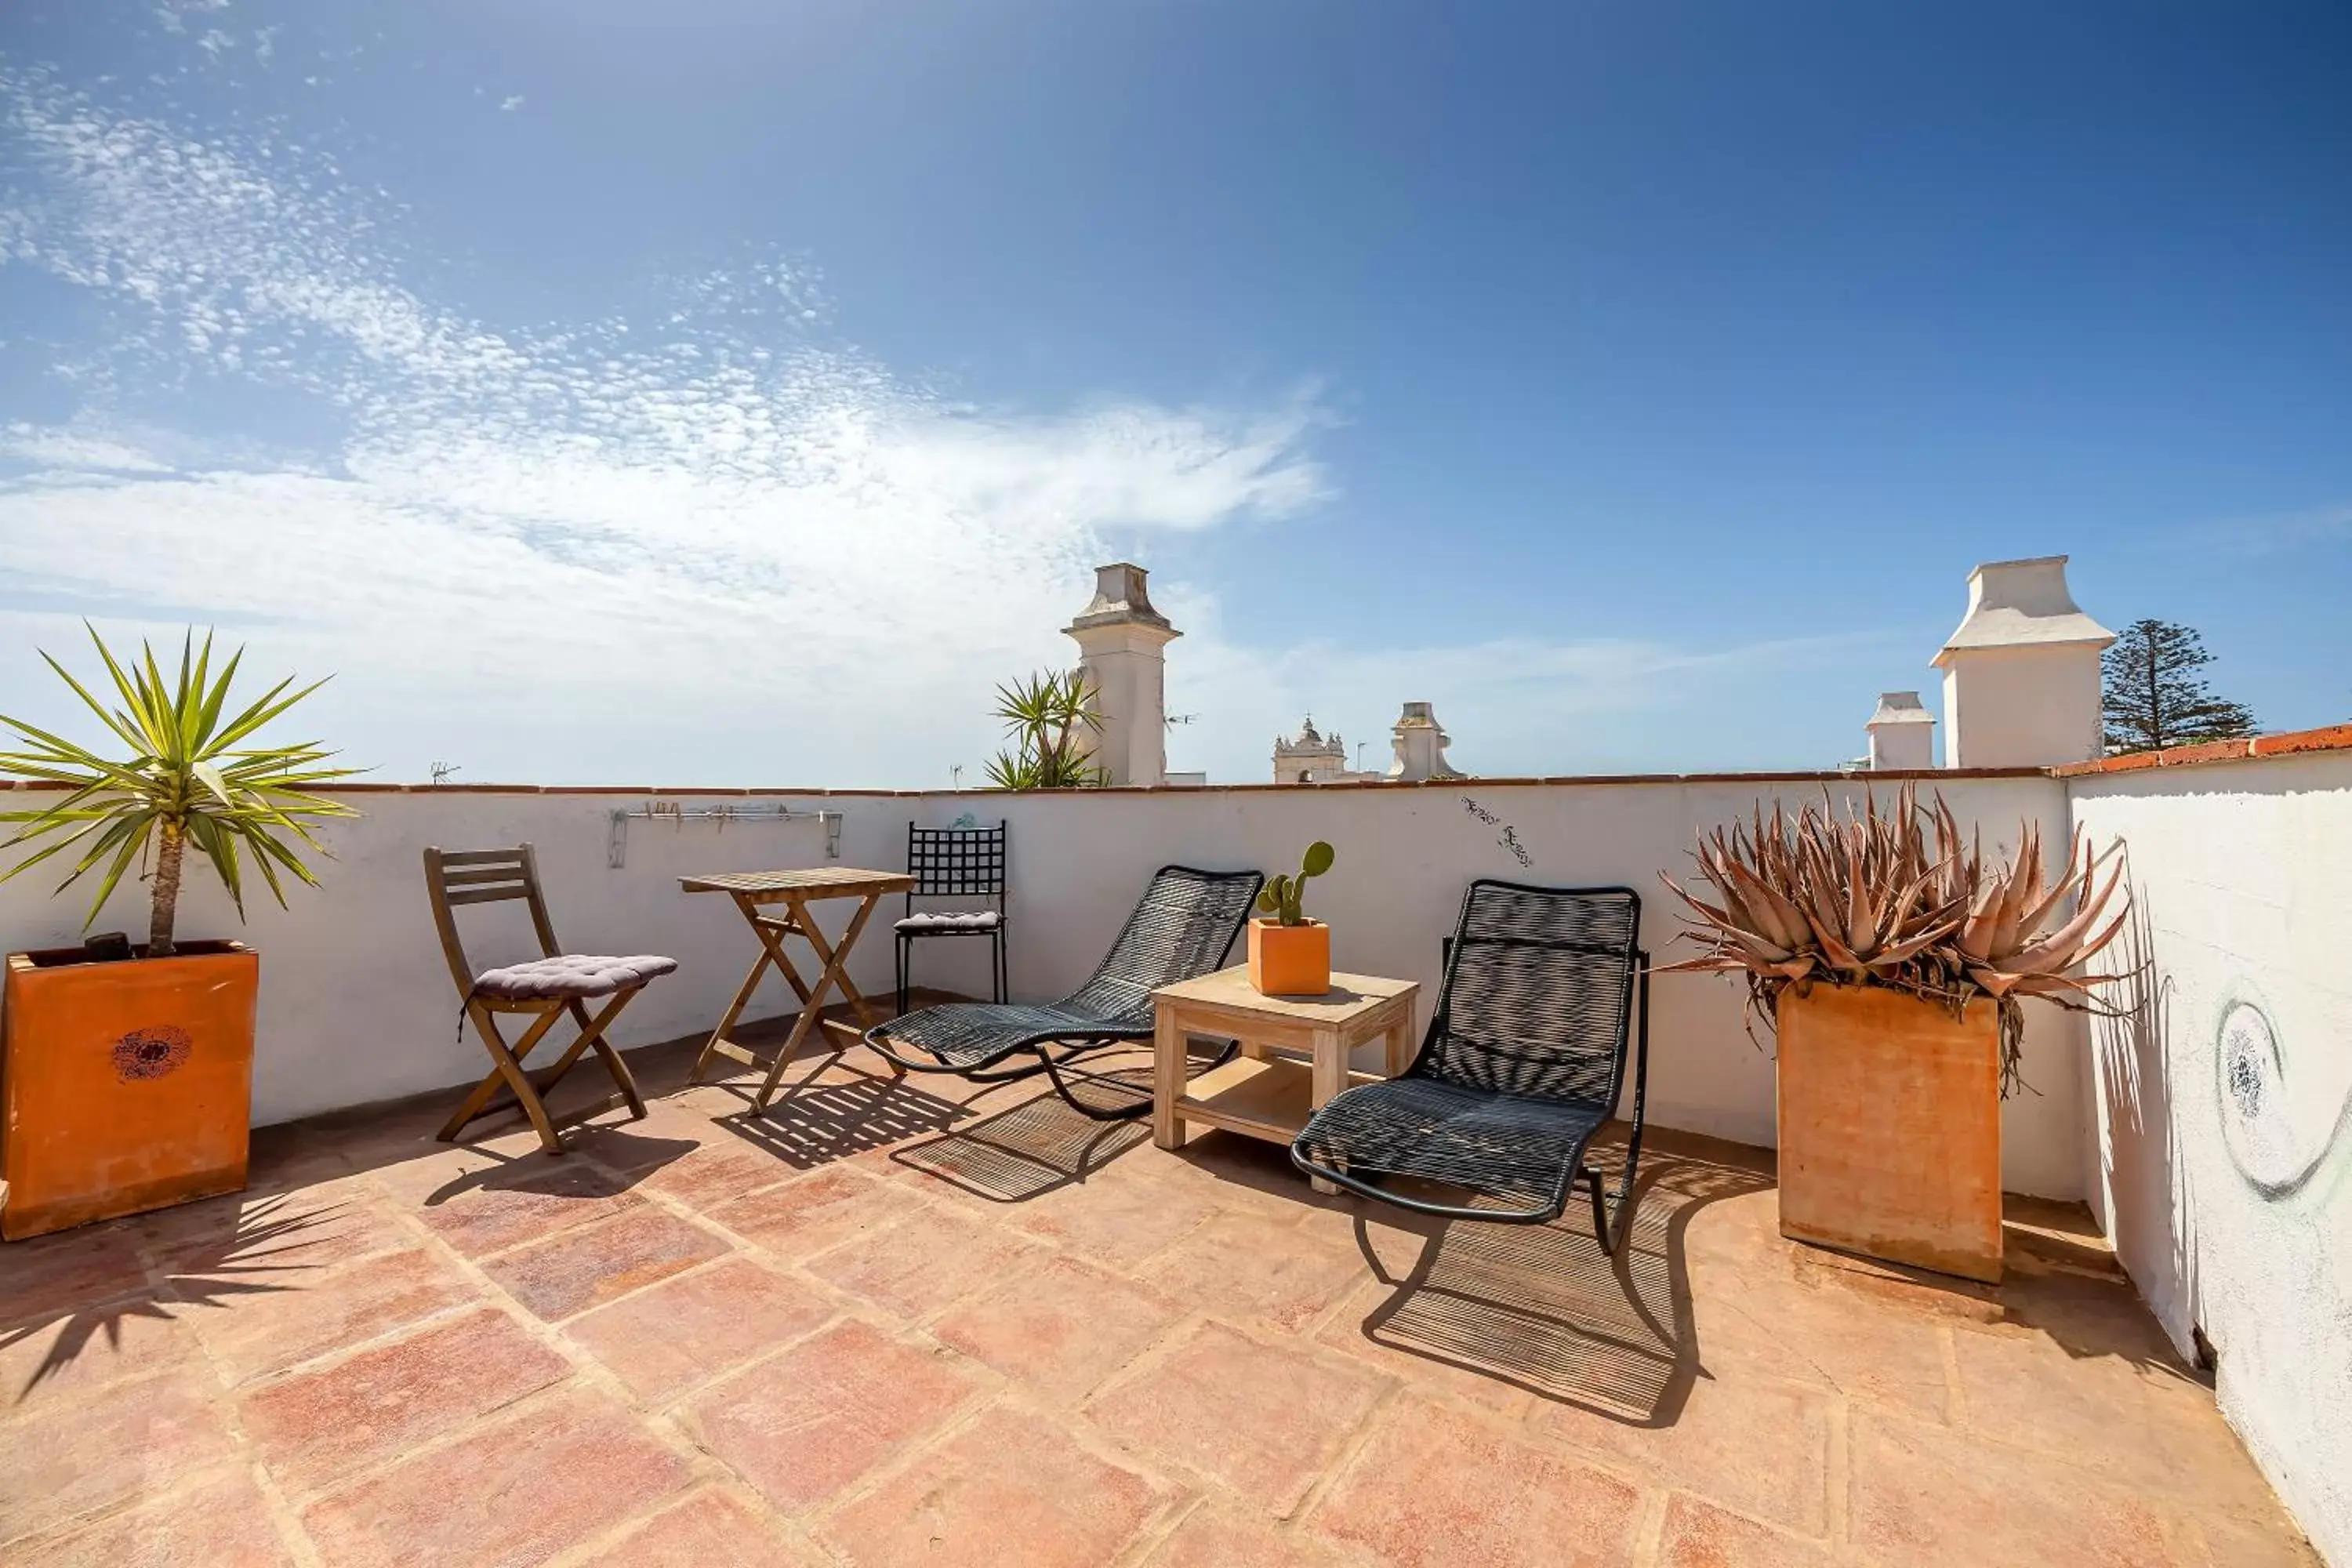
572	975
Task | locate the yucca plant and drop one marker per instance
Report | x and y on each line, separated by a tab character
1282	897
1901	901
1049	716
190	779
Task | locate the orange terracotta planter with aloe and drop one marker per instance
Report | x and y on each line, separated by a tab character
1892	957
1289	954
126	1076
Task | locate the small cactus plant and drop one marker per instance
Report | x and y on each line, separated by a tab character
1283	896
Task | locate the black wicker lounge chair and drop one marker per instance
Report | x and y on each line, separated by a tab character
1184	927
1524	1060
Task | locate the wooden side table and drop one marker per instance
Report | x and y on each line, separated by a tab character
1266	1092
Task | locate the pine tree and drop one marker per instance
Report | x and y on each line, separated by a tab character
2155	698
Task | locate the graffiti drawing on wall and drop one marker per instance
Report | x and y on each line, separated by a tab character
1509	837
2277	1149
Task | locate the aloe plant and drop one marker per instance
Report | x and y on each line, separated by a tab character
187	780
1902	901
1282	897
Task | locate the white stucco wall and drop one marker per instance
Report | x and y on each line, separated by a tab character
356	1003
2227	1166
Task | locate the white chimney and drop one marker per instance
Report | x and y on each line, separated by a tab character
1120	640
2021	673
1420	746
1902	733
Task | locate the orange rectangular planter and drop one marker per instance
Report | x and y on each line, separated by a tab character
1890	1128
123	1087
1290	961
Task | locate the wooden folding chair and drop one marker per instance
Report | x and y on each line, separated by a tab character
543	989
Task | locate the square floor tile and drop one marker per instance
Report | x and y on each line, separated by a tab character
553	1474
709	1530
122	1443
1010	1484
1928	1496
1263	1419
312	1427
1060	1328
1709	1445
1699	1535
803	1424
816	1211
927	1261
1437	1489
522	1202
1247	1266
590	1265
223	1522
261	1327
686	1329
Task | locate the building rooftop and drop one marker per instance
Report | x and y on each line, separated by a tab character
911	1321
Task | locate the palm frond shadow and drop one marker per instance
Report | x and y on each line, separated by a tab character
212	1259
1543	1309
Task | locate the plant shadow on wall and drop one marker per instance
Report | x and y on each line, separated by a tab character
2135	1083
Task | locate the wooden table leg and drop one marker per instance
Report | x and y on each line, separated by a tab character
1400	1045
770	952
812	1005
1166	1077
1329	1077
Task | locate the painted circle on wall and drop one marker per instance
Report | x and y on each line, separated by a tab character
150	1052
2257	1123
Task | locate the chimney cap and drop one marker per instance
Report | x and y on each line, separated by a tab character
1899	708
1120	599
2022	604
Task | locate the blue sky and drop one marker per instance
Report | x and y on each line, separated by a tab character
733	392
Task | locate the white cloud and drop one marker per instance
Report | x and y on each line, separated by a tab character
510	103
700	545
755	556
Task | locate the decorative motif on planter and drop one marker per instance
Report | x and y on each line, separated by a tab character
152	1052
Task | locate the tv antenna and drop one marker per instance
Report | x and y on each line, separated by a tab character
1175	719
441	772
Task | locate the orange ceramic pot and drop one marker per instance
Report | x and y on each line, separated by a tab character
1290	961
1890	1128
123	1087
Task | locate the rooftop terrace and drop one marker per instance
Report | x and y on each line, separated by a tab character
904	1320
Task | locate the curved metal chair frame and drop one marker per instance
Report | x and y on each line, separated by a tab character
1526	1058
1184	926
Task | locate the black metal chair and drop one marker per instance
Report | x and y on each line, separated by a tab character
1525	1059
963	863
1183	928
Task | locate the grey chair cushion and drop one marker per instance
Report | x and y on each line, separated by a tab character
571	975
986	919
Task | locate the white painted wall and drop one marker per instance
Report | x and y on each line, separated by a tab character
357	1005
2228	1176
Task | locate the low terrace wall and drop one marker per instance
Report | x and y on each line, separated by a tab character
357	1004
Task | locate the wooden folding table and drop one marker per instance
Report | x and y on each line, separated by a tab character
755	893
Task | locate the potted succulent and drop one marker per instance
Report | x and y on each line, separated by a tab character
1289	954
126	1073
1890	957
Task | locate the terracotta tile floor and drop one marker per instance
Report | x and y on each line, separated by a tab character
900	1323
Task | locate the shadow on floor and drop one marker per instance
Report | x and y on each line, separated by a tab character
1543	1308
